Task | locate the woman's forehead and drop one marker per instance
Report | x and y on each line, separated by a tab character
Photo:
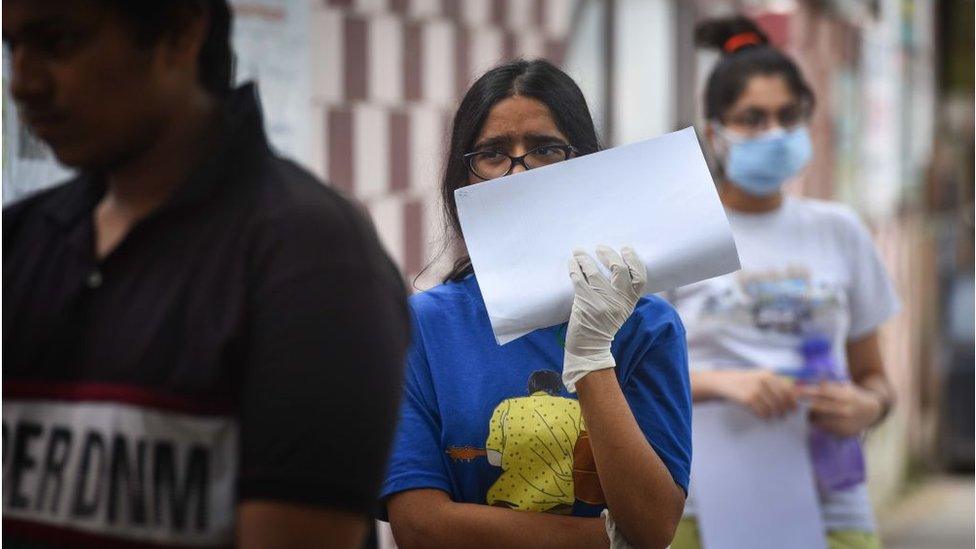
519	115
765	91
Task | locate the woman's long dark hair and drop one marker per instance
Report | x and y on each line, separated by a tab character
537	79
731	74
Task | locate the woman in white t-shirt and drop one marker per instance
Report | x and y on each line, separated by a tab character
810	274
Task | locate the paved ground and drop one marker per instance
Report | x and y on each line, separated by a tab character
939	514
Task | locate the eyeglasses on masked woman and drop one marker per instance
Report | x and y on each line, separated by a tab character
491	164
753	120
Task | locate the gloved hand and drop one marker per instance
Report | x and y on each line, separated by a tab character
617	540
600	308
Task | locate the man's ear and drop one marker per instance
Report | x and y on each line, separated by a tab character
183	44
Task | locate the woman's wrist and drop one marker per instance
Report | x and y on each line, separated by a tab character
881	404
577	368
878	390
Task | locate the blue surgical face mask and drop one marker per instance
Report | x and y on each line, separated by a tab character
760	165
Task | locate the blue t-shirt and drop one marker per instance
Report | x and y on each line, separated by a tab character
494	425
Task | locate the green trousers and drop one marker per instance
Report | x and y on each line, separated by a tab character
688	537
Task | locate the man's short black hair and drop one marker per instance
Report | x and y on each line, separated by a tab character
153	20
545	380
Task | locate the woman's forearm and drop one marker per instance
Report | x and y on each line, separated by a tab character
428	518
867	370
641	494
706	386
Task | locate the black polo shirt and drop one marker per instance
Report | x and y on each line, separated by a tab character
244	341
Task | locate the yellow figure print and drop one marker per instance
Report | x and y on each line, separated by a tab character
532	439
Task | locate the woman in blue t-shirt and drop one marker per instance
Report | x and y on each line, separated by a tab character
500	445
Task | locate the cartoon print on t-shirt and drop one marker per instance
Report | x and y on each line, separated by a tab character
532	439
786	302
536	440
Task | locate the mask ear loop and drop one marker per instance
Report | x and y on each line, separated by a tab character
721	146
722	142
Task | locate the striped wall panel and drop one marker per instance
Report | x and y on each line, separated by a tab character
387	76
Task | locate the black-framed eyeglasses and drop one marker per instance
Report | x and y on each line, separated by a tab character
491	164
754	119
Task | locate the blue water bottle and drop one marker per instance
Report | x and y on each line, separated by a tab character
838	462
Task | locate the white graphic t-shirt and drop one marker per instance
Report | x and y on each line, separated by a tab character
808	268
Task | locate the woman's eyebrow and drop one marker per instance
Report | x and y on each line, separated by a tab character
506	139
493	140
544	138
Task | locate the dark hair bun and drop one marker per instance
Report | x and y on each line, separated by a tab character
715	33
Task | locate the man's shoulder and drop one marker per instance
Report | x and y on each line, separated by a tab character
41	196
286	188
290	200
54	198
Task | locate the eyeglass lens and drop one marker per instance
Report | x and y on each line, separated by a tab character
758	119
492	164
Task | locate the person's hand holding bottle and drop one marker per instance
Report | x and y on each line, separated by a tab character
841	407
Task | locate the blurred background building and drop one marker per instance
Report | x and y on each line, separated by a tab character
362	93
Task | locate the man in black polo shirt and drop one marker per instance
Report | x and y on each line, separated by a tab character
202	344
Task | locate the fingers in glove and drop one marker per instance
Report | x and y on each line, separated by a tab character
577	276
619	272
638	272
594	278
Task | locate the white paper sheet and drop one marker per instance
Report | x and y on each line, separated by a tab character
752	480
656	196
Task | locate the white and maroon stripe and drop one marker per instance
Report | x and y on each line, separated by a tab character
388	75
120	393
108	464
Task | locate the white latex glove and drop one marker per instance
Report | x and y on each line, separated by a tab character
617	541
600	308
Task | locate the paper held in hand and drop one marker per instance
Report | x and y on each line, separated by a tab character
656	196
